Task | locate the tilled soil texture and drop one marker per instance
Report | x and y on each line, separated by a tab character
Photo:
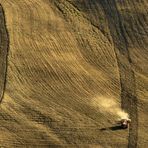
71	66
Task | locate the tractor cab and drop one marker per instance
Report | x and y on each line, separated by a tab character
125	123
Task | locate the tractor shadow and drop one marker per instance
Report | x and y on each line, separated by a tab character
113	128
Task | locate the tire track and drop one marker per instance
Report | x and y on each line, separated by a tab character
4	44
127	77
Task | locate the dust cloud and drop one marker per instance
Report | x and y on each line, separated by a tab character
110	105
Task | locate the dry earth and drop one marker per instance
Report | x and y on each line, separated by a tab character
59	59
